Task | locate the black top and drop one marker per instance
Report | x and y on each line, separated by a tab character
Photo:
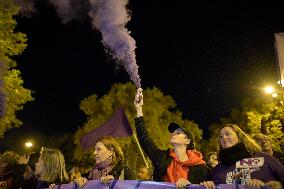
161	158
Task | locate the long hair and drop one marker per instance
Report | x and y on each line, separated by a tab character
112	144
251	146
54	164
8	162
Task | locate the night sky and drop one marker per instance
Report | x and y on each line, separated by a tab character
207	56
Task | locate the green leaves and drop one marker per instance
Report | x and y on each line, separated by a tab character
156	111
256	115
11	43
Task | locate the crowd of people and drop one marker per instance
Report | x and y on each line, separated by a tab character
240	159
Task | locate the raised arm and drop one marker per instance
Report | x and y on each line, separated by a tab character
146	142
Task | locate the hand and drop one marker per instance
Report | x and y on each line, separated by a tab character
208	184
182	183
106	179
138	102
23	159
273	184
51	186
254	184
3	184
81	181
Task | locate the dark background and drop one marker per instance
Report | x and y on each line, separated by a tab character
207	55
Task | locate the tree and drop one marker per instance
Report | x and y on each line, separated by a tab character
159	111
12	93
257	115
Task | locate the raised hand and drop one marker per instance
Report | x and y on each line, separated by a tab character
138	102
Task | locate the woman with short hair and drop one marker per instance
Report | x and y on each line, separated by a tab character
182	165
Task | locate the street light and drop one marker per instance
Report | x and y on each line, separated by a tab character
28	144
269	89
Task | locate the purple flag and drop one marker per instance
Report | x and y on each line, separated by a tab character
117	126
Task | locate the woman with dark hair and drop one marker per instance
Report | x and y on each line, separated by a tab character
182	165
241	162
8	167
110	162
14	171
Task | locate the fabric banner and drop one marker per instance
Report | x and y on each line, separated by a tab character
117	126
135	184
279	45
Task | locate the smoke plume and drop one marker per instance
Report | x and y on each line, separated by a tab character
110	18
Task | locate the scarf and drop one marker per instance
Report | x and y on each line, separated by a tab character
229	156
101	169
179	169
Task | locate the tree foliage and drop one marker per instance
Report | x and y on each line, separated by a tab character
159	111
257	115
13	94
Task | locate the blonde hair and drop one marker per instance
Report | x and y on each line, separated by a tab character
251	146
54	164
112	144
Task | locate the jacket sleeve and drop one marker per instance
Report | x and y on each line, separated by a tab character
199	174
277	168
146	142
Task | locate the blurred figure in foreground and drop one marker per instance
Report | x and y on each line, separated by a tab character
144	173
212	159
265	143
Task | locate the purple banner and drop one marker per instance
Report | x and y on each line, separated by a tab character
135	184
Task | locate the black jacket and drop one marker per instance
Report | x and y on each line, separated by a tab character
161	158
116	172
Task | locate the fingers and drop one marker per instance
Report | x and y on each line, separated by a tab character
182	183
254	184
208	184
3	184
273	184
81	181
106	179
138	95
51	186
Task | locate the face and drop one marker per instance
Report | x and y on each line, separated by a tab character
213	161
264	144
228	137
179	137
101	153
39	167
143	174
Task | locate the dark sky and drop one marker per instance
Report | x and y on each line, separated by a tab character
205	55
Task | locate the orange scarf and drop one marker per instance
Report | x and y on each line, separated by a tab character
179	169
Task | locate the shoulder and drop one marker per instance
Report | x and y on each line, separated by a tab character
266	156
202	168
